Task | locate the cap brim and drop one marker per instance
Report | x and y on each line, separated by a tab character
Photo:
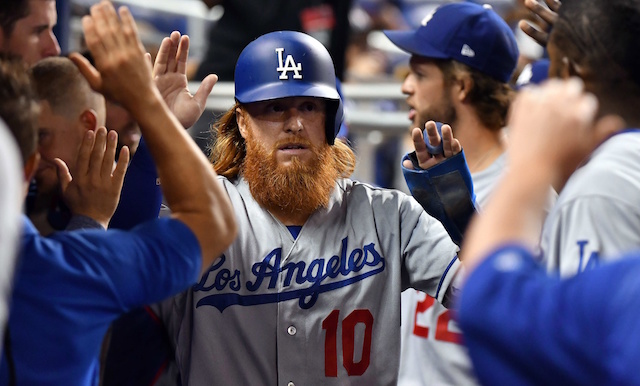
413	44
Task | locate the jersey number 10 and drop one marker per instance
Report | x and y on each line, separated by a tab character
330	325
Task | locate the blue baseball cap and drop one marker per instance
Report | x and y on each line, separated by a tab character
469	33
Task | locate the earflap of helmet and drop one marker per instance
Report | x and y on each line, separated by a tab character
335	116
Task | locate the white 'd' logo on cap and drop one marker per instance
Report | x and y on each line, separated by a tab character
288	65
467	51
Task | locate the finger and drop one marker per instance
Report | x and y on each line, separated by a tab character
541	10
121	167
147	57
109	154
100	16
447	140
205	89
172	63
87	70
162	58
92	39
554	5
407	164
539	36
130	29
84	155
432	133
182	55
421	148
64	176
97	154
114	24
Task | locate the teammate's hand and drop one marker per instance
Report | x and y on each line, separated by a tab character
170	75
450	145
554	127
93	188
546	16
121	73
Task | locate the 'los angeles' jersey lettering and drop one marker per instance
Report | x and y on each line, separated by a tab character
317	276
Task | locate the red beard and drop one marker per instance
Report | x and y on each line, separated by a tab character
298	188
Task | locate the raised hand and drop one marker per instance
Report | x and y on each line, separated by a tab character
450	145
124	73
170	75
547	16
93	188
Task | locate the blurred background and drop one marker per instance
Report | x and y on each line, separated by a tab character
369	66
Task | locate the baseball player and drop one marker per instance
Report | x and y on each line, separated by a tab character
598	210
522	326
71	285
462	57
309	292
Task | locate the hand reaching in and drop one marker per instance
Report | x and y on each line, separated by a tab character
450	145
547	16
170	75
93	188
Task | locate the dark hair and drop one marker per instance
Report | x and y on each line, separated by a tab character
602	36
489	97
10	12
19	104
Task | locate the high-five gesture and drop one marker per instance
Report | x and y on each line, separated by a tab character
170	75
93	188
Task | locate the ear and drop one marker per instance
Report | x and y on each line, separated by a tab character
462	87
89	119
570	68
241	121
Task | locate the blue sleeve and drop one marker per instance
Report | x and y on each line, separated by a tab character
445	191
524	327
119	270
141	196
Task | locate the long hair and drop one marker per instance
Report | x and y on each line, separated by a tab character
228	150
489	97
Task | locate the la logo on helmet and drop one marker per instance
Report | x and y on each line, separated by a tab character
288	65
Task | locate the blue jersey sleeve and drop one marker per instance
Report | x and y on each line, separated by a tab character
119	270
524	327
141	196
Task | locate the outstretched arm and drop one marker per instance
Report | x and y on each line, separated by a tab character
122	73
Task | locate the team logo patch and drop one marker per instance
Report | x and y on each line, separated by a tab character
302	280
467	51
288	64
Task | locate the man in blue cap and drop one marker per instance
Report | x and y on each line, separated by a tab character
462	57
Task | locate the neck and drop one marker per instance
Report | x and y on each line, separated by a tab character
482	146
290	219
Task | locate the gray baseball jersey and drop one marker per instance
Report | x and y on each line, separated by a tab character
431	347
597	215
322	309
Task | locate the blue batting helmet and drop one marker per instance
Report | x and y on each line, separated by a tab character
289	64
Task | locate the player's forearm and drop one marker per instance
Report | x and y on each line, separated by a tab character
514	214
189	183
